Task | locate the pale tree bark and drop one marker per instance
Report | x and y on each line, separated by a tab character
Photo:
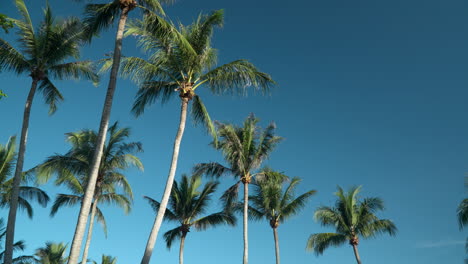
101	139
10	232
246	222
170	180
90	232
181	250
356	253
277	250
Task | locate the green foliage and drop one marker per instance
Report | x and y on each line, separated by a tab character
352	218
5	23
187	204
44	52
26	193
181	60
271	202
52	253
72	169
244	149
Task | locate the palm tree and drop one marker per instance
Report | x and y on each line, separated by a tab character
107	260
244	149
26	193
52	253
181	61
275	205
42	56
187	203
351	219
99	17
73	169
17	246
462	215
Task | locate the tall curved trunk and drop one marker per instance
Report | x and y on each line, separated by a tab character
181	250
101	139
10	232
246	218
170	180
90	232
277	251
356	253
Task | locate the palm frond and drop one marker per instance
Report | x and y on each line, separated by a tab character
168	215
172	235
214	220
319	242
100	16
201	116
64	200
52	95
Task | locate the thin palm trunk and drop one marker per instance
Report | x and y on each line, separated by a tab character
10	232
170	180
90	233
181	250
101	139
356	253
246	215
277	251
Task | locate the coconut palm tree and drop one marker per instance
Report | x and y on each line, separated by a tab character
351	219
17	246
97	18
73	168
187	203
107	260
26	193
244	149
181	60
275	205
52	253
43	56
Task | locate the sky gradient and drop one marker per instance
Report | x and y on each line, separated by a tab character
370	93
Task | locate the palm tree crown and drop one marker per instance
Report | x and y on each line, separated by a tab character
352	219
182	61
269	201
187	205
17	246
26	193
52	253
44	52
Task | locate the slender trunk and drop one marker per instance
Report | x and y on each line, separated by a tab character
181	250
356	253
246	215
10	232
85	206
277	251
170	180
90	232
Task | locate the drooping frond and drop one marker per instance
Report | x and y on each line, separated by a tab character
168	215
149	92
34	193
64	200
235	77
319	242
100	16
172	235
201	116
11	59
462	213
212	169
115	199
52	95
215	219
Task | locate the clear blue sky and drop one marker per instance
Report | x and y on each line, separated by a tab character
371	93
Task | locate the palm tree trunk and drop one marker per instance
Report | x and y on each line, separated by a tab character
277	251
170	180
181	250
90	232
10	232
88	197
246	215
356	253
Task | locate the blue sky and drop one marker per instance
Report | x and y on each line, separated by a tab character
370	93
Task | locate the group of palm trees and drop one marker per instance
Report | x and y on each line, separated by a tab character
179	61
